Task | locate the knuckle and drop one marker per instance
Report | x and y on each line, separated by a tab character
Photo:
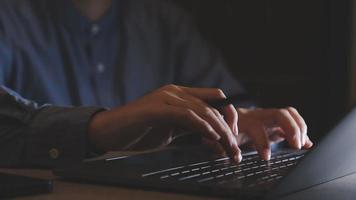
165	93
294	131
235	114
283	112
170	87
188	113
295	128
207	127
207	112
219	93
290	108
215	111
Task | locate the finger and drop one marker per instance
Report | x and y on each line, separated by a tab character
229	139
200	109
260	139
206	94
236	153
221	119
290	127
301	123
209	94
231	118
189	120
229	112
308	143
213	117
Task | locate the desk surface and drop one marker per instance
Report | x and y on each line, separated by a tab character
343	188
340	189
71	190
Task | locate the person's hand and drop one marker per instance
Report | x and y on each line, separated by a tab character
264	126
165	109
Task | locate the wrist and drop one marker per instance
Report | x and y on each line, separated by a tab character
115	129
95	130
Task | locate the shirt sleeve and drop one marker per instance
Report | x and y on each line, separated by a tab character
41	136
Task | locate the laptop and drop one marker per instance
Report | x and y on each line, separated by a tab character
197	170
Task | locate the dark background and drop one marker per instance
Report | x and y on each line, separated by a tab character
286	52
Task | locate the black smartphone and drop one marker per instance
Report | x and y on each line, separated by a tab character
14	185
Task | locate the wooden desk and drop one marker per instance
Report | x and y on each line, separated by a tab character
339	189
70	190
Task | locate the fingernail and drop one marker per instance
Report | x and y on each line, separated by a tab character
266	154
300	142
299	145
238	157
303	140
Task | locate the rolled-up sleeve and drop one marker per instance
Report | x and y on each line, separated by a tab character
41	136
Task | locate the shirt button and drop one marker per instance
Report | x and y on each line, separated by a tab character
53	153
100	67
95	29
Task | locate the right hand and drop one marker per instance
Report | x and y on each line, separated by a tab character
167	108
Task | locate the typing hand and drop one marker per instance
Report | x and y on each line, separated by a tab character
264	126
165	109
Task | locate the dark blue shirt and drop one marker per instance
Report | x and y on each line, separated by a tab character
51	54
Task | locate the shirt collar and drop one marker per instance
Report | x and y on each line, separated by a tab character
68	15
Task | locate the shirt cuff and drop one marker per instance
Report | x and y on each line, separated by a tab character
58	136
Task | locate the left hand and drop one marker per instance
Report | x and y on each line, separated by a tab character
262	127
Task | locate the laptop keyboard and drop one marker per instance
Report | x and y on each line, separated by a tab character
250	172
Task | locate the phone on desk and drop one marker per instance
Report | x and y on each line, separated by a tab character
14	185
